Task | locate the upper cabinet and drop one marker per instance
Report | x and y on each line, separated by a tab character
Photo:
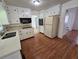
3	15
24	12
14	13
55	10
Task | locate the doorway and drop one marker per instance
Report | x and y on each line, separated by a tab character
71	20
35	23
71	25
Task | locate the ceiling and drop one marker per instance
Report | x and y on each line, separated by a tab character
0	0
45	4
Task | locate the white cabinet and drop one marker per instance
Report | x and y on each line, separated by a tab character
24	12
26	33
21	36
15	55
27	13
30	32
12	13
20	12
51	26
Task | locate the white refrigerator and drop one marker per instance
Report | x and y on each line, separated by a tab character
51	26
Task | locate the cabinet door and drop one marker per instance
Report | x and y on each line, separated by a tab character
24	12
48	20
30	32
48	30
20	12
12	14
25	33
21	35
16	55
27	13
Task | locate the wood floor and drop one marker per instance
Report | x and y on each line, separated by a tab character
72	36
42	47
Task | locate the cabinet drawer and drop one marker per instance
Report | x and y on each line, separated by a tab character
26	33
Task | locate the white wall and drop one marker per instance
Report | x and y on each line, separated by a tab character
75	25
65	6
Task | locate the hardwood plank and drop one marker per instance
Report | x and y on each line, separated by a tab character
42	47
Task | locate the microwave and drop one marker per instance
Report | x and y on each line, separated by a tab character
25	20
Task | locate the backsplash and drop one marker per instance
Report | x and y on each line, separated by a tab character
16	26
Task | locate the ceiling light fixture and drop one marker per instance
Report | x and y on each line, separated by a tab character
36	2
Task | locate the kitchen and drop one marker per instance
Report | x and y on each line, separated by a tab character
22	23
13	31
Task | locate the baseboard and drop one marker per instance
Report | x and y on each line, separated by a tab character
41	32
23	57
28	38
74	30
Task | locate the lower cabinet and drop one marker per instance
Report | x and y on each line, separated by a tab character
15	55
26	33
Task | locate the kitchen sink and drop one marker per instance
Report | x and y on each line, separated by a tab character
9	35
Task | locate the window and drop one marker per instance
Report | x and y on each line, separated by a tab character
1	28
66	18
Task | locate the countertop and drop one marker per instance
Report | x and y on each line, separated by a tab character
10	45
17	26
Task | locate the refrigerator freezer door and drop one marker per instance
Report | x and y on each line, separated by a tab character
49	20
